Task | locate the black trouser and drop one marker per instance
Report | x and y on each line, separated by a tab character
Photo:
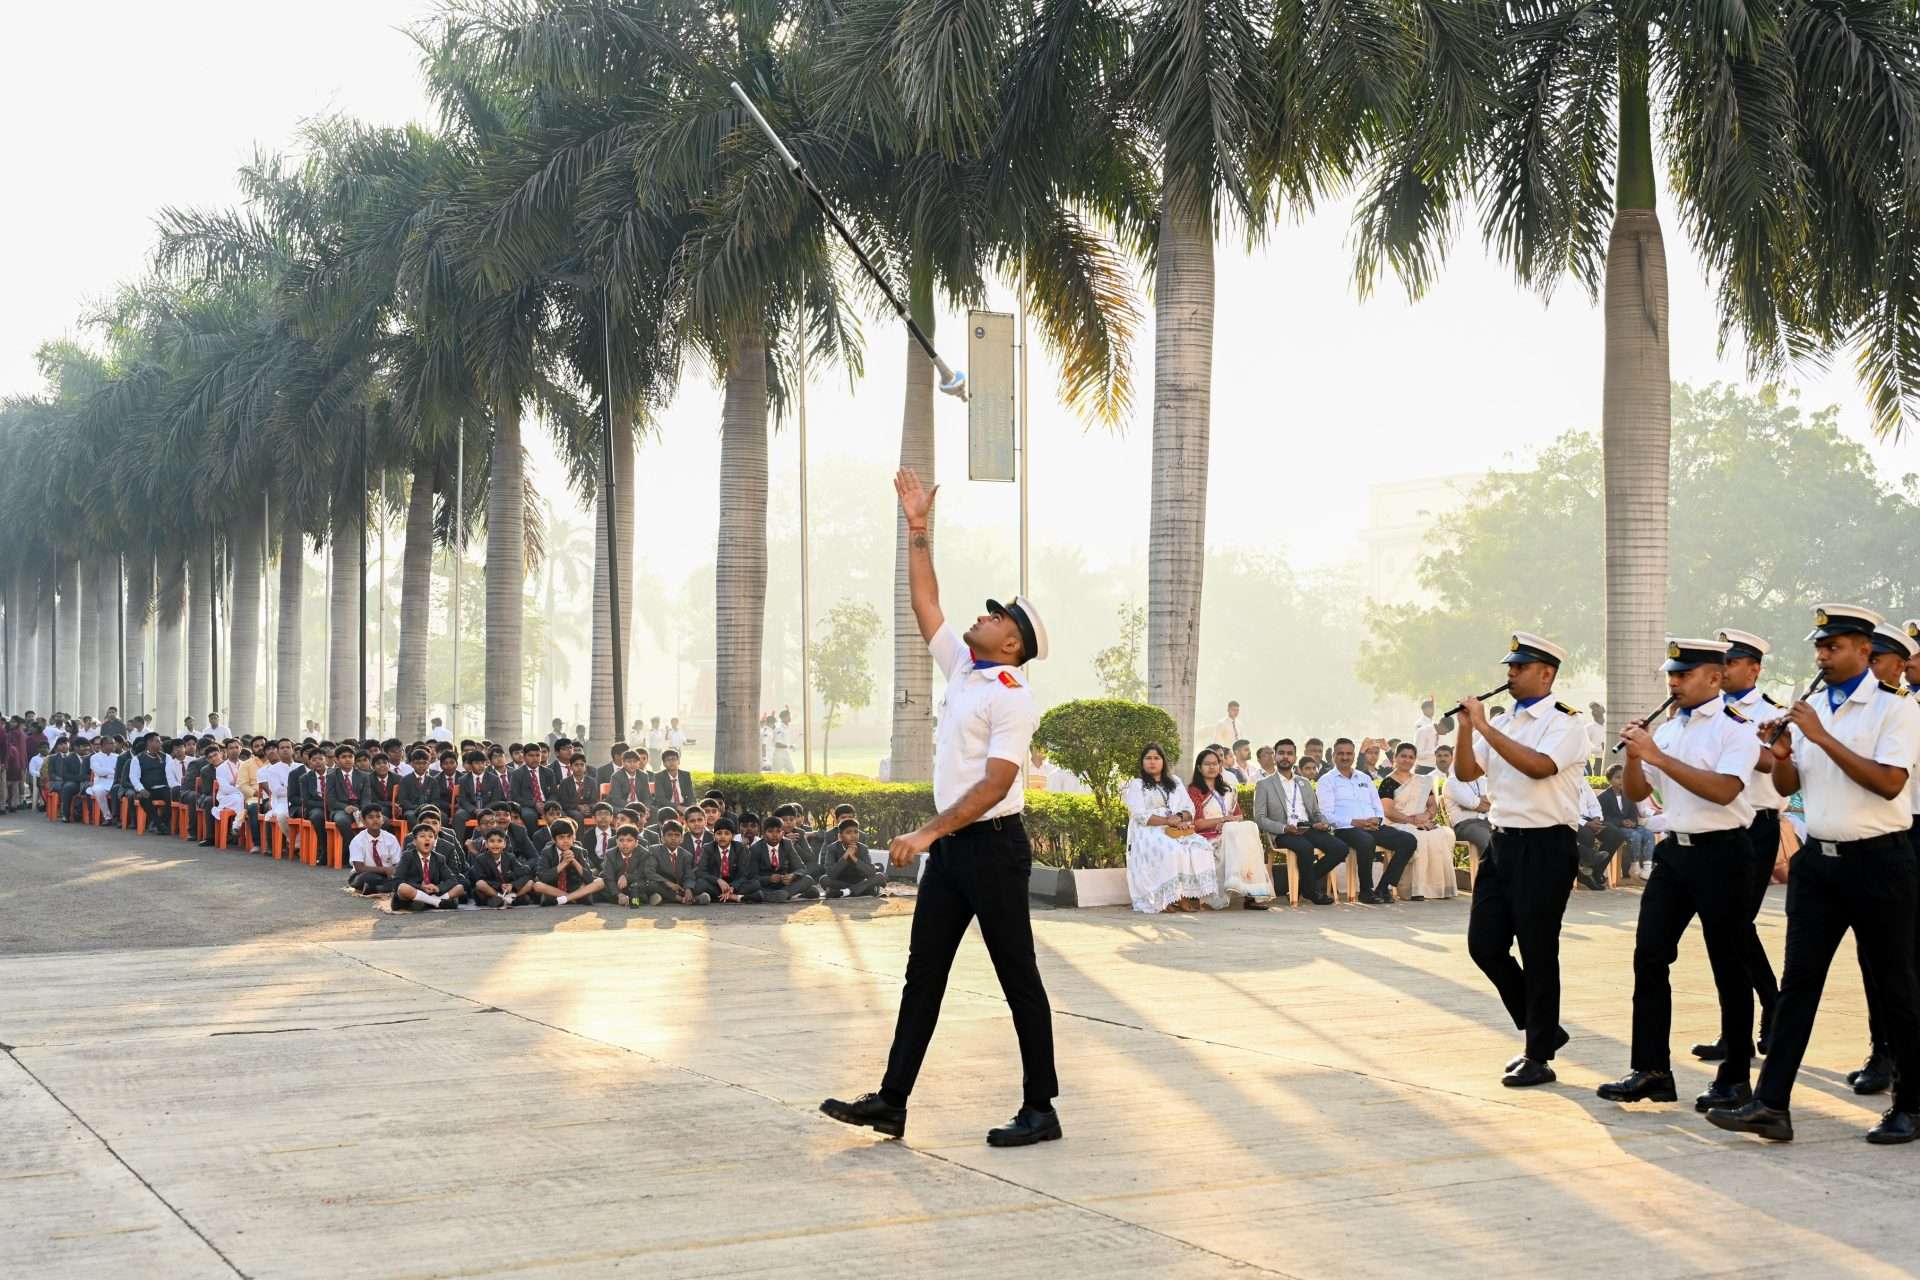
347	825
70	794
801	886
1876	1016
1519	899
1763	836
978	871
1706	877
1869	886
1332	851
1598	847
155	803
1399	845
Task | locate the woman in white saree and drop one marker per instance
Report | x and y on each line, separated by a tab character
1169	867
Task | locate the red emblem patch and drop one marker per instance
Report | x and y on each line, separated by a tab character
1006	678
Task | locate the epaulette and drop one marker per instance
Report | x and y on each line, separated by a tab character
1895	690
1768	699
1007	679
1565	709
1733	715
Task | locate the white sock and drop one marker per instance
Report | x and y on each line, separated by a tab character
846	893
509	898
431	899
562	899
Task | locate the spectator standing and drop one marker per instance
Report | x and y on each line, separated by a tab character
1426	737
1228	729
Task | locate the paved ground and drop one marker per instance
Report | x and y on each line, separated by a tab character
217	1066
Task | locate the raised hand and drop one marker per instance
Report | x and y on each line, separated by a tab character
916	503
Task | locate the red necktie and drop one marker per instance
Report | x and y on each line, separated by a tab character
676	788
347	775
538	799
776	856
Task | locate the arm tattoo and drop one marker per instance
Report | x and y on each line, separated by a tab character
920	541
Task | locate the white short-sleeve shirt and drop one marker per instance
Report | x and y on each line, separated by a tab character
1557	732
986	714
363	850
1880	725
1759	709
1706	738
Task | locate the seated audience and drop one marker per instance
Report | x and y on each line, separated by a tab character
852	874
1169	864
1624	816
1239	860
565	876
373	857
1410	804
424	880
1287	808
669	869
1352	807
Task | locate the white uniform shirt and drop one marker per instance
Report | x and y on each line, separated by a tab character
176	772
1425	738
1759	709
1882	726
1463	798
1553	801
274	778
100	765
362	851
1707	738
986	714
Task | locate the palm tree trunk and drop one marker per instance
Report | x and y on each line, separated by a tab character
170	610
200	629
139	610
603	727
243	650
1182	421
106	615
740	569
343	617
505	576
911	747
416	608
87	650
288	637
43	622
67	669
1636	410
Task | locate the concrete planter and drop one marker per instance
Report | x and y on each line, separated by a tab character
1101	887
1051	885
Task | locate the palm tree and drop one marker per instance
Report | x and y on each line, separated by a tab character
1790	143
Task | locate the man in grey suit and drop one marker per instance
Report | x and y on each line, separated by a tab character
1287	808
672	785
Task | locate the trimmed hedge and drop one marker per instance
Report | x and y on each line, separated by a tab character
1066	829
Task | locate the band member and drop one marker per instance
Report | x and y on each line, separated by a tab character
980	858
1535	762
1849	751
1700	761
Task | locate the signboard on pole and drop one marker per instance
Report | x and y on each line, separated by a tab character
990	396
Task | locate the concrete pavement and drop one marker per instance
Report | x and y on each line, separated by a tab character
231	1068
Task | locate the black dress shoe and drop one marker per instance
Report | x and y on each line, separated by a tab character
1874	1076
1323	900
871	1110
1641	1086
1366	896
1729	1097
1029	1126
1755	1117
1766	1032
1560	1039
1383	896
1895	1127
1528	1074
1712	1051
206	844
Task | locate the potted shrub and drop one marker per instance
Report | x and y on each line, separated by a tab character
1099	739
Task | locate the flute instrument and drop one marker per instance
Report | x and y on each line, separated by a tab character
1780	726
1502	687
1648	722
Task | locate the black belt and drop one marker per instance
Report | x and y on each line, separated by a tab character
1872	844
1703	839
1004	822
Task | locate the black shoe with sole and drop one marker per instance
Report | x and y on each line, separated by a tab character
1528	1074
871	1110
1712	1051
1775	1125
1728	1097
1874	1076
1028	1126
1895	1127
1324	900
1641	1086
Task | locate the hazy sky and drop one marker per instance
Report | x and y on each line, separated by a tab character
117	109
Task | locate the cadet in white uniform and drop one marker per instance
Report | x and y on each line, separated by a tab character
1535	762
1700	761
1893	653
980	856
1849	752
1745	656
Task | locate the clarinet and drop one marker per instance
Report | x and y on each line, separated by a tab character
1648	722
1501	688
1780	725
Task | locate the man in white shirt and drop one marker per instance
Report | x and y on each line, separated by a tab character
1700	760
676	736
373	856
783	742
1850	753
100	767
978	851
1227	730
1534	760
1426	736
656	738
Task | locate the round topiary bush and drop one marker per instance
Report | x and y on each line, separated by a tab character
1100	739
